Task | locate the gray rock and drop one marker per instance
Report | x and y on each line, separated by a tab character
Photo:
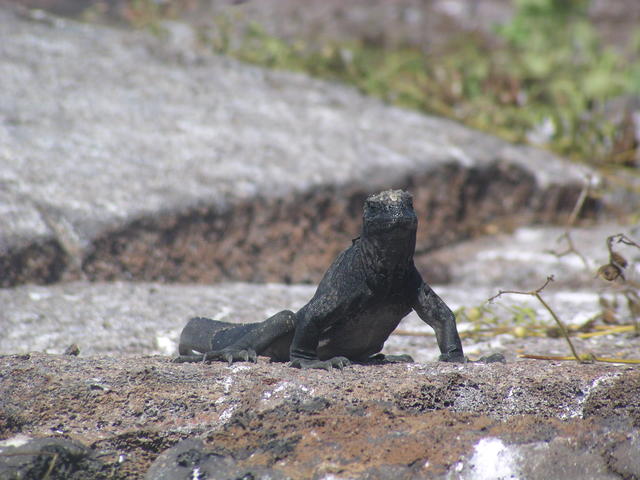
526	256
425	420
128	318
189	459
120	317
123	159
559	458
51	458
625	460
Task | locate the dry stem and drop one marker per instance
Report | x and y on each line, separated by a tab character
577	208
536	294
586	358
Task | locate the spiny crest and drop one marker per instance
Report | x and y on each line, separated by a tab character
389	197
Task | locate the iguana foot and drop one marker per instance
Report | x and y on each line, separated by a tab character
493	358
398	358
381	358
188	358
453	358
231	355
335	362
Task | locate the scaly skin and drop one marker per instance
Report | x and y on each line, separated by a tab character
361	299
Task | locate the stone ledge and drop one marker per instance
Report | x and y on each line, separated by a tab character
363	422
146	166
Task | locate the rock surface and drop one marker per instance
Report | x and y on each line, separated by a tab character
432	420
126	156
131	318
26	458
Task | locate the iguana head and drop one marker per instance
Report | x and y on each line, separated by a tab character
389	213
389	231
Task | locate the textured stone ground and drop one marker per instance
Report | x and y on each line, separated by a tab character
397	421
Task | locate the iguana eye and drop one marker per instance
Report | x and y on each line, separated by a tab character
372	205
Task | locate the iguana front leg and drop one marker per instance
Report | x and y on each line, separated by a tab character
433	311
317	315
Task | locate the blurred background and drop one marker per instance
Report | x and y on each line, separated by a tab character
562	74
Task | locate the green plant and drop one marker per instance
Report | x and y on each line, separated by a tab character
545	71
543	77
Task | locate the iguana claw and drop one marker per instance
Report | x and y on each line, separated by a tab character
335	362
230	355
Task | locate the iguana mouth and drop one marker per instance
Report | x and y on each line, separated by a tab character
403	223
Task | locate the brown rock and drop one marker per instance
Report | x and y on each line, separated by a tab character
364	422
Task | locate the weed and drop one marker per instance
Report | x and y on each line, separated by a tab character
545	77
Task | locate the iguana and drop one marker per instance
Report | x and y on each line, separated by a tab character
361	299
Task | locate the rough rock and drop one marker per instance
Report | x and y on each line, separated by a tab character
431	420
126	156
143	415
189	459
50	458
526	419
133	158
118	318
129	318
526	256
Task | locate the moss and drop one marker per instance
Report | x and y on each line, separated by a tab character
544	77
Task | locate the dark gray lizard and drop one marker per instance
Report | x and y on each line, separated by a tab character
361	299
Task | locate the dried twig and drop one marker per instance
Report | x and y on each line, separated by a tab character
52	464
536	294
571	248
586	358
621	238
608	331
614	270
577	208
